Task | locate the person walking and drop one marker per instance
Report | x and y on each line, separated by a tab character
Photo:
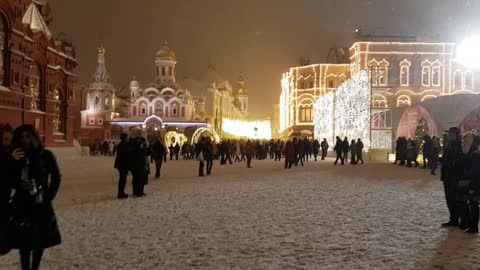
427	151
122	165
278	150
345	149
199	155
339	150
435	156
450	173
315	148
249	151
177	150
36	179
353	152
290	155
171	150
474	190
324	145
158	155
138	154
208	155
359	147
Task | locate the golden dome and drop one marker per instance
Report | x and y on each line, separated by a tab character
166	53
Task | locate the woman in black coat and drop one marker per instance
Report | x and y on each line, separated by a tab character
36	180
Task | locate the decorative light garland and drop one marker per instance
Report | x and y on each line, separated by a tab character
251	129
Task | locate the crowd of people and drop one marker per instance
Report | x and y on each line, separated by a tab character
106	148
407	152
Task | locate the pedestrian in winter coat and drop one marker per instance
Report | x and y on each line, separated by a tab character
158	155
474	190
345	149
315	148
290	155
412	153
171	150
208	155
339	150
299	150
434	157
199	155
122	164
359	148
249	151
427	151
36	180
177	151
324	145
139	152
353	152
451	172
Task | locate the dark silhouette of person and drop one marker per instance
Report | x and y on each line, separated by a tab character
249	151
139	151
122	164
450	173
324	145
208	155
346	149
158	155
427	151
36	180
359	148
290	155
199	155
353	152
177	151
339	151
171	149
473	173
315	148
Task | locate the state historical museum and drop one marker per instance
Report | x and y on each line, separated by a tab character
36	72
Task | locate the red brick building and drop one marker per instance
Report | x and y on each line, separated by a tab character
36	72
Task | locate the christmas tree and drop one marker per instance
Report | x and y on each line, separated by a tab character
422	129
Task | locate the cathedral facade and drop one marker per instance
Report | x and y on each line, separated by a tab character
37	76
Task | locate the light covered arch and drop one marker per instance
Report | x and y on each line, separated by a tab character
404	101
427	97
379	101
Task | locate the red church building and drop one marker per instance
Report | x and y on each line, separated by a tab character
37	76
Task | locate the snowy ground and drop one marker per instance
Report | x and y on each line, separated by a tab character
376	216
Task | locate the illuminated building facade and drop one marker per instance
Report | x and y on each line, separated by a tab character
403	74
36	72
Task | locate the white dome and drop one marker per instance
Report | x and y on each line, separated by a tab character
134	84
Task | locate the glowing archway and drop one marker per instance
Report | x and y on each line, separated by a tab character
205	132
409	121
173	137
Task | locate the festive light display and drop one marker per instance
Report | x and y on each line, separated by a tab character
251	129
467	52
324	118
347	112
172	137
205	132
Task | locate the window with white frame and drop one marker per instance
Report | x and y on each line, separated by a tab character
174	110
143	109
436	74
379	71
305	114
426	75
457	80
379	120
405	72
379	101
468	80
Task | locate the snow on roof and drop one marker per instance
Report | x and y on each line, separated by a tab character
33	17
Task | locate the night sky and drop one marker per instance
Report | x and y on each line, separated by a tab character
260	39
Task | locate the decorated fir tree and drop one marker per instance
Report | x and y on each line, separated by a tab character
422	129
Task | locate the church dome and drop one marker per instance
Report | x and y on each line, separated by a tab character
166	53
134	84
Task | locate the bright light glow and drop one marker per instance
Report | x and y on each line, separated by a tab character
251	129
347	114
468	53
205	132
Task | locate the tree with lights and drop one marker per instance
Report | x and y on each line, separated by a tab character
422	129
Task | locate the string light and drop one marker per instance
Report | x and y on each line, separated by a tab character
251	129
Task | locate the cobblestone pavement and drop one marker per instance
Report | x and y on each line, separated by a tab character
376	216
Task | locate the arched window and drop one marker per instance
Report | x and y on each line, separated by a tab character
305	113
379	71
163	71
143	109
3	28
174	110
159	107
468	80
436	74
426	73
379	101
403	101
457	80
106	102
34	85
405	72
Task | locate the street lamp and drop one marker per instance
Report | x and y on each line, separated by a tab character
468	53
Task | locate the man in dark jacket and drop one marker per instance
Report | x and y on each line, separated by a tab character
427	151
177	151
122	164
139	151
324	145
451	173
315	148
159	155
339	150
346	149
359	149
208	154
